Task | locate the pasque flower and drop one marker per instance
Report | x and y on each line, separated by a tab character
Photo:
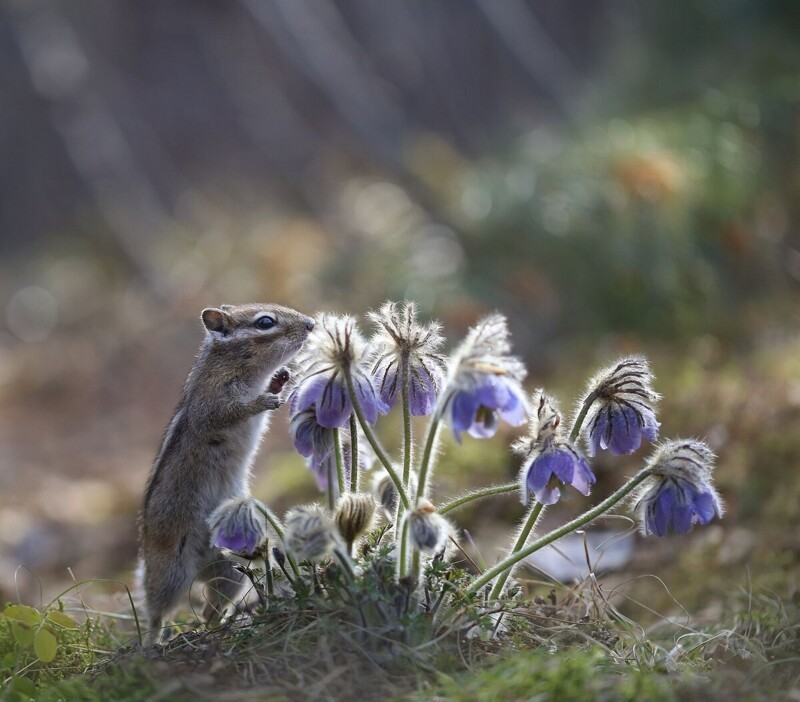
679	493
400	340
484	384
622	407
550	460
333	350
238	525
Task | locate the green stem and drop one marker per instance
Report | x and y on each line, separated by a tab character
556	534
587	403
407	437
373	440
354	466
477	495
427	453
278	527
530	522
337	447
331	496
344	562
403	556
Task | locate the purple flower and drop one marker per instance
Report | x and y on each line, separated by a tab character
550	459
622	408
485	382
556	463
679	494
238	525
482	399
401	340
335	349
310	437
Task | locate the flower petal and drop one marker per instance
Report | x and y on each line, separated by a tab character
334	407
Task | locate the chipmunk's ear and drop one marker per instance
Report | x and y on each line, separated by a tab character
216	320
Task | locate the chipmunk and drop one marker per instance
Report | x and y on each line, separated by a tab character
208	448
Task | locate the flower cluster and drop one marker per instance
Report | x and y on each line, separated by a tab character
343	383
551	460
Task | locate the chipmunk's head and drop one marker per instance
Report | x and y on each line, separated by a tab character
264	335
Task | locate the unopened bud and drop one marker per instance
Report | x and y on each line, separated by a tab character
427	528
310	533
354	515
385	491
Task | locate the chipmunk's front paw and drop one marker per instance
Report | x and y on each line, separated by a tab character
269	401
278	381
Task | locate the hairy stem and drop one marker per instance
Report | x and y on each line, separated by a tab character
407	436
354	465
530	522
373	440
278	527
337	447
477	495
556	534
427	455
587	403
402	563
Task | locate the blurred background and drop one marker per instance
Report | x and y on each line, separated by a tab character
616	176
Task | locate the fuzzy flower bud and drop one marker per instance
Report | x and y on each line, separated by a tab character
550	460
310	533
385	491
239	526
427	528
354	516
679	493
485	382
622	407
401	339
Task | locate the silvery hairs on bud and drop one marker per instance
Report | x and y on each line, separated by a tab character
355	514
385	491
310	534
427	528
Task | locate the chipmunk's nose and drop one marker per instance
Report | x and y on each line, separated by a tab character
310	324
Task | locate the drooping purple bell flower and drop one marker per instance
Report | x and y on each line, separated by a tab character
550	460
401	339
622	409
335	349
679	494
485	382
239	526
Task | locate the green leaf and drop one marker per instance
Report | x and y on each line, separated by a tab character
8	660
24	688
62	619
45	645
23	633
23	613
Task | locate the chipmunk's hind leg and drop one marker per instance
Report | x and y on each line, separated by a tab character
165	581
224	587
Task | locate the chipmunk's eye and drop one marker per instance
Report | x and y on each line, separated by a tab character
265	322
